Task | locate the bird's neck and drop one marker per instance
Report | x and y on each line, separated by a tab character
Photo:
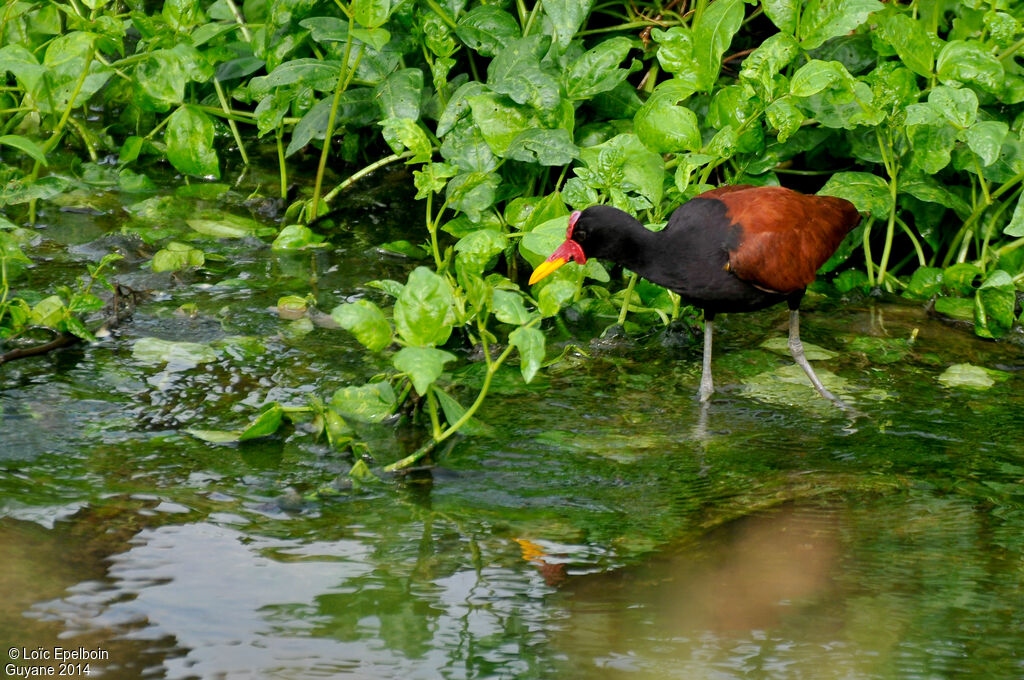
632	246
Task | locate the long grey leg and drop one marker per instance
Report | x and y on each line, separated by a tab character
796	348
707	387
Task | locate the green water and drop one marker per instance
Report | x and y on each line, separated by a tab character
605	528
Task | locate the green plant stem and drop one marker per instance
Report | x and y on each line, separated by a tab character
432	4
868	262
325	151
432	230
435	422
359	174
51	143
239	19
231	123
627	26
492	368
279	135
975	215
625	300
84	136
529	20
921	259
1011	50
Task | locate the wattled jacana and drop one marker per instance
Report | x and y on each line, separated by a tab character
733	249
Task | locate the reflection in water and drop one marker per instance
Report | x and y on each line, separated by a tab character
745	579
243	606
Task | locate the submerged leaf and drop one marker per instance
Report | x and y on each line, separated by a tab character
423	365
370	403
366	321
968	376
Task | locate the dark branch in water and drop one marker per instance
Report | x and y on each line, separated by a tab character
122	304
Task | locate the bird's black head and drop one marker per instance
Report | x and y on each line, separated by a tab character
594	232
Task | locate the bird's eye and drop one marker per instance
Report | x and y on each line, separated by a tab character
579	234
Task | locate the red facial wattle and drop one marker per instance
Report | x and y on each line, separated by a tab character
569	251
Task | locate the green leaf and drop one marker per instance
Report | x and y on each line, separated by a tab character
376	38
224	225
500	120
785	117
27	146
509	308
955	308
852	279
910	40
676	55
968	376
624	162
959	279
924	283
366	321
555	295
765	62
130	149
404	133
371	13
528	84
400	94
544	147
1015	228
48	312
432	178
404	248
458	106
423	365
869	193
567	16
64	62
472	193
994	304
178	355
961	62
985	138
189	138
466	148
926	188
13	193
487	29
453	411
296	237
815	76
596	70
665	127
958	105
821	20
479	246
783	13
215	436
712	35
266	423
370	403
931	137
320	75
530	343
423	311
177	256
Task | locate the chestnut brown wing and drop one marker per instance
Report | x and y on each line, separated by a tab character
785	236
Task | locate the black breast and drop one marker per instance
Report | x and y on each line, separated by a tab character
692	258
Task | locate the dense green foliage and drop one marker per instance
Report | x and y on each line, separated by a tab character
511	115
